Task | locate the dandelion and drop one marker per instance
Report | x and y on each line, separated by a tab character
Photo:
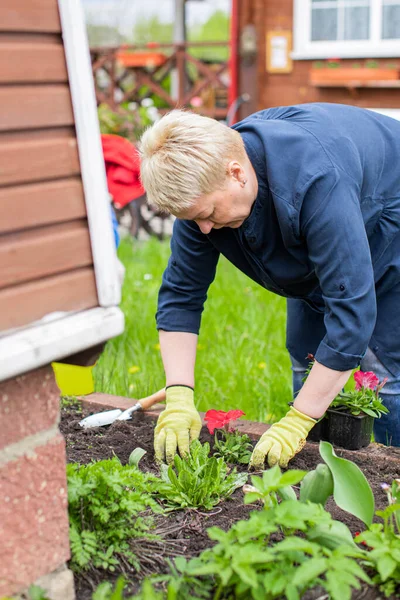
147	276
200	346
134	369
156	346
262	365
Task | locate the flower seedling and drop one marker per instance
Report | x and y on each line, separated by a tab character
232	446
364	398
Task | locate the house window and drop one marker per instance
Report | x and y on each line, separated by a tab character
346	28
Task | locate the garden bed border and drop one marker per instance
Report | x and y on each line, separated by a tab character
254	429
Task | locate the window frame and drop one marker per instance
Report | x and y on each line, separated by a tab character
374	47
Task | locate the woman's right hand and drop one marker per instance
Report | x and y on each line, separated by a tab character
178	425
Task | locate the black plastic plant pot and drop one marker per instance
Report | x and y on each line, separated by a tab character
319	431
347	431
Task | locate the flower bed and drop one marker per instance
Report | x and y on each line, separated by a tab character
185	530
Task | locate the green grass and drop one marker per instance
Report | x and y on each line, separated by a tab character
241	361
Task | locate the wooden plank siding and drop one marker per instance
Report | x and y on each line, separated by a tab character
38	160
43	251
46	260
32	62
23	304
25	206
30	15
43	106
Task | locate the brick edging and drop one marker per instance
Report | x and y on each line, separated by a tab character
98	402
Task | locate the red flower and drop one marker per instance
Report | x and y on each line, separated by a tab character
218	419
366	379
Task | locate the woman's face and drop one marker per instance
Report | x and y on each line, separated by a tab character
228	207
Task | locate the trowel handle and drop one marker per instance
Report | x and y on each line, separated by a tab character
149	401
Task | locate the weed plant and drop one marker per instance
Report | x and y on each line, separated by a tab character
107	505
198	481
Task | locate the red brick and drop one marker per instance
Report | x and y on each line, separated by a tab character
28	404
101	402
33	516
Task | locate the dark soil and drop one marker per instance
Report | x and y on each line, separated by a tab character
187	529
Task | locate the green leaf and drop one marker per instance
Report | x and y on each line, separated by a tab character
351	490
386	565
331	535
287	493
317	485
309	570
135	456
292	477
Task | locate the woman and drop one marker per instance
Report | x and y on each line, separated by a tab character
306	201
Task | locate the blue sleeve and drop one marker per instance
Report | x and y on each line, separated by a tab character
333	227
115	226
190	271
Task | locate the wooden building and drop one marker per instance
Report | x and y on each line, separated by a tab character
297	51
59	287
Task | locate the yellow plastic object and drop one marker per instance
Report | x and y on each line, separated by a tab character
73	380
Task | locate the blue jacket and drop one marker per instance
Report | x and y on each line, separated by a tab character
324	230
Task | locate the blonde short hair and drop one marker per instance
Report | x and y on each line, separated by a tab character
184	156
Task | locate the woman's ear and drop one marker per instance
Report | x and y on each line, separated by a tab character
235	170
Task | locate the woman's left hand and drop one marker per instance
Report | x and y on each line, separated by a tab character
282	440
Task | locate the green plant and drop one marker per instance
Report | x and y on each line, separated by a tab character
351	490
199	480
129	120
271	485
317	485
372	64
107	503
71	402
35	592
383	540
338	477
233	447
364	398
333	63
181	583
106	591
135	456
244	565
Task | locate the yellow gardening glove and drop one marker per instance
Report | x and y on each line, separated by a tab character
282	440
178	425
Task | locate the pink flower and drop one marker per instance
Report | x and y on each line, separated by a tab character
218	419
196	101
365	379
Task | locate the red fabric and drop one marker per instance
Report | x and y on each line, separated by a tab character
123	169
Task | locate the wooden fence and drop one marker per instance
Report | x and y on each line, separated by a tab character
131	73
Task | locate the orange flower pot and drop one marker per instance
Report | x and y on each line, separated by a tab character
348	74
141	59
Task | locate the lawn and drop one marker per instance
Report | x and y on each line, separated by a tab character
241	361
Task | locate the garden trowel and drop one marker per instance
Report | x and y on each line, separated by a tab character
109	416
